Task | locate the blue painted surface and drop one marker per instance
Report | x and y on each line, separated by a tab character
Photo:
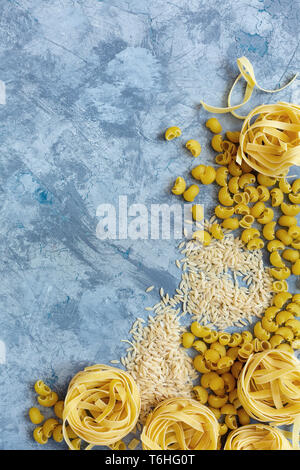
90	86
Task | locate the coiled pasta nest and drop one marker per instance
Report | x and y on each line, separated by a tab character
102	405
269	387
257	437
271	144
180	424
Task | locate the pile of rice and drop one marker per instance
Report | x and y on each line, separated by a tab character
210	292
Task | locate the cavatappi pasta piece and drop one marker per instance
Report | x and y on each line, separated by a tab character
233	136
257	347
241	198
110	420
263	193
213	125
216	143
296	186
287	221
59	408
269	325
218	347
179	186
221	176
246	336
198	172
224	197
285	347
296	299
257	209
199	330
279	286
217	401
41	388
236	369
217	231
200	346
232	223
229	147
234	169
172	132
269	230
260	332
266	217
48	427
241	209
284	186
290	255
294	324
209	175
231	422
235	340
199	364
187	339
224	338
201	394
222	429
294	198
294	232
276	340
223	158
290	209
194	147
197	212
269	387
224	363
249	233
186	424
283	236
283	316
256	437
246	221
243	417
48	400
224	212
280	273
276	260
228	409
229	382
271	312
253	193
36	417
203	236
280	299
296	268
264	180
57	433
296	244
233	184
191	192
275	245
276	197
38	435
294	307
246	179
245	351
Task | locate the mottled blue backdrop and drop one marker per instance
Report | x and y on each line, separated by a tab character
90	86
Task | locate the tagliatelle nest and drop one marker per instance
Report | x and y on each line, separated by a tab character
271	144
180	424
257	437
102	405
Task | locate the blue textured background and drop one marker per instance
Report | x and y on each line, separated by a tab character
90	86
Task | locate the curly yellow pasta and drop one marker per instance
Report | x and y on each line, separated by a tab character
284	186
224	212
280	286
280	299
266	217
269	230
246	221
276	260
197	212
257	209
190	193
180	424
232	223
233	136
224	197
203	236
275	245
249	233
294	198
172	132
213	125
256	437
283	236
112	400
276	197
263	193
253	193
216	143
287	221
221	176
223	158
179	186
296	268
194	147
234	169
290	209
217	231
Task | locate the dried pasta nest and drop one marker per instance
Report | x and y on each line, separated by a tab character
180	424
269	387
257	437
102	405
271	144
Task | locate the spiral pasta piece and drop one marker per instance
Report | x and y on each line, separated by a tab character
180	424
102	405
269	387
257	437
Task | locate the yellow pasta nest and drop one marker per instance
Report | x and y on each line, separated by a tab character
102	405
257	437
269	387
180	424
271	144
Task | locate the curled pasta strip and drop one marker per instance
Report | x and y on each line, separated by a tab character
246	72
257	437
180	424
271	143
269	387
102	405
